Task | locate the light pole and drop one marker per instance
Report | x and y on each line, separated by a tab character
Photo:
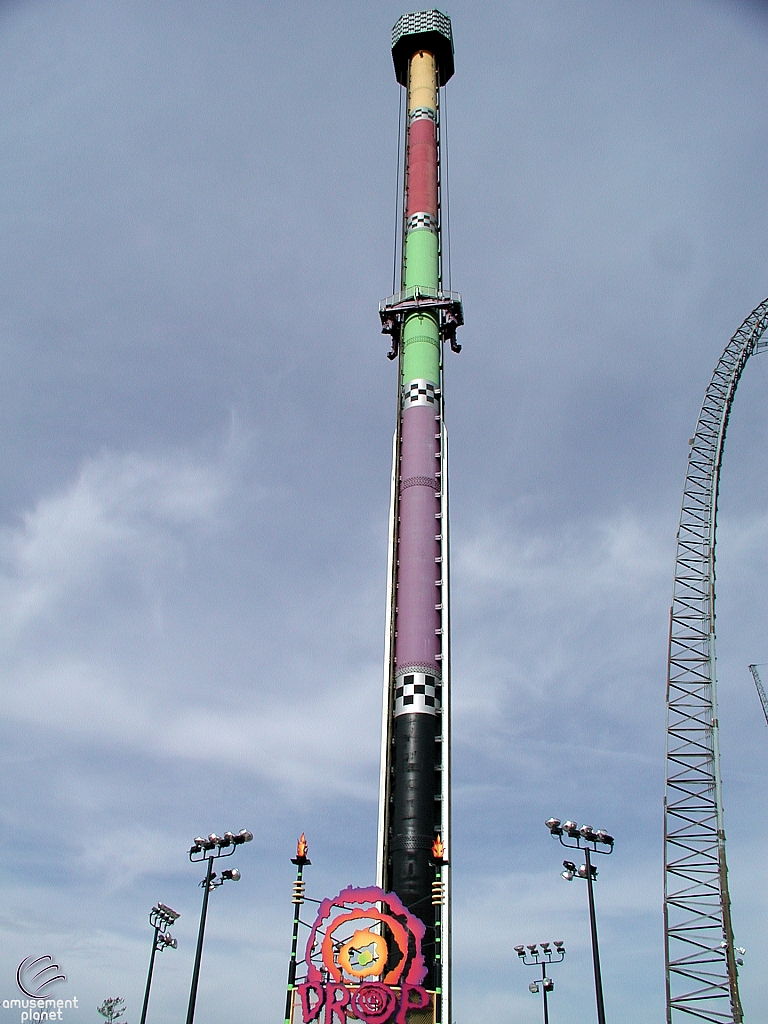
590	839
160	917
211	849
544	955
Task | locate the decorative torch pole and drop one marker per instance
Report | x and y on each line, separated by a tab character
438	901
299	860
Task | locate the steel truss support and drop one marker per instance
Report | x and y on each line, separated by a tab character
701	970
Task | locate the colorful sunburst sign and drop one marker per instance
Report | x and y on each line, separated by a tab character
364	977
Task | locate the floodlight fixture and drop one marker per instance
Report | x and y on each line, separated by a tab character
211	849
168	913
160	916
588	840
542	955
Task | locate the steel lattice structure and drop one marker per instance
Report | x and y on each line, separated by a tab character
760	690
702	979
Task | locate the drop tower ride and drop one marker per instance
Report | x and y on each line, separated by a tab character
415	782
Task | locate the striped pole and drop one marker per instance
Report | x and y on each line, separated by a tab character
438	901
300	860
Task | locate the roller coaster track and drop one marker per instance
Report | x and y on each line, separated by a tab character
760	691
702	979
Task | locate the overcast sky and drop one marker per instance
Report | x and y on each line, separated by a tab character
196	222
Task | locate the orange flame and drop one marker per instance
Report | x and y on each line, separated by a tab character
301	847
438	850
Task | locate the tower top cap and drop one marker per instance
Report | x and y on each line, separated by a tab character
423	30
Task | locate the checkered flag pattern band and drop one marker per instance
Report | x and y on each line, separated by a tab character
421	21
419	113
417	693
420	392
422	220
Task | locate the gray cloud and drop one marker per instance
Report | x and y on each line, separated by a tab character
197	413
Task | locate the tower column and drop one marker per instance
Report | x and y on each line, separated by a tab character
417	607
415	753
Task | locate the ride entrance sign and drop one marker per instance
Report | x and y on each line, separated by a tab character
364	962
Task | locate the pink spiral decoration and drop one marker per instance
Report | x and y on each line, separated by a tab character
373	1003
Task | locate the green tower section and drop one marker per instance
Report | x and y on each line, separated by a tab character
421	339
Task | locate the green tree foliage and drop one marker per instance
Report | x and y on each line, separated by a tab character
113	1010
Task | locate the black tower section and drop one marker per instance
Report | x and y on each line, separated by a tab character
414	813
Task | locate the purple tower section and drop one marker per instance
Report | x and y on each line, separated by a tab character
417	616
